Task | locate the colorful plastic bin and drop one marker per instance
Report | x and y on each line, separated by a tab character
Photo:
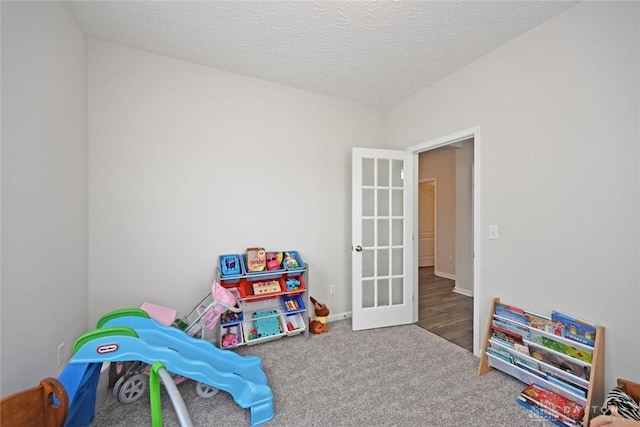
291	303
301	288
229	318
253	276
294	324
250	328
294	271
247	289
231	276
231	336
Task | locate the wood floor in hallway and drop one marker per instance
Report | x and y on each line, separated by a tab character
443	312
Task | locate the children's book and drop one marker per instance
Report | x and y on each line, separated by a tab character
553	378
571	351
538	321
575	329
562	363
529	369
547	414
500	354
554	402
565	376
510	312
510	326
506	336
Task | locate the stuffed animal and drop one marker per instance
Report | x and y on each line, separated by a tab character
318	324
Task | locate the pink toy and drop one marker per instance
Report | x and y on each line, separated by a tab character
229	339
164	315
223	300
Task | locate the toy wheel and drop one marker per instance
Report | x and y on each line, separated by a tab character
133	388
205	390
117	386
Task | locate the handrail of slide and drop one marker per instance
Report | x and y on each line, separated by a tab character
104	332
123	312
158	369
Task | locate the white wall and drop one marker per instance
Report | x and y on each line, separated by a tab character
44	189
558	113
464	218
188	162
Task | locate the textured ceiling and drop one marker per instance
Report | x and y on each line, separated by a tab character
371	52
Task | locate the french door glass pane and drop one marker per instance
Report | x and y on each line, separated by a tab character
383	262
397	261
396	173
383	232
397	202
368	232
397	294
368	172
368	202
383	292
367	263
383	172
397	232
383	202
368	294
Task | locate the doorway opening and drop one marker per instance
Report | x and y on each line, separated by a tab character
447	292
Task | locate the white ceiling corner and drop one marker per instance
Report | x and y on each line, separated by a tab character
371	52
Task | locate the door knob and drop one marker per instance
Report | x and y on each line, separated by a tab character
358	248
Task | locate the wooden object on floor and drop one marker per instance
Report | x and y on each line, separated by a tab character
36	407
595	392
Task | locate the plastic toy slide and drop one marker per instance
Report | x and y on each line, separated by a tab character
152	332
80	380
123	343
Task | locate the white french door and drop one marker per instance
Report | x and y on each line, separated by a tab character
382	238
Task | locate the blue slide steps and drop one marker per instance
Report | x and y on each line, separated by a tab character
181	356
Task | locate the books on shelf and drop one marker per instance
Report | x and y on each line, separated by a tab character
501	354
566	384
555	354
575	352
515	356
562	363
569	350
560	407
546	413
511	326
510	312
510	339
538	321
575	329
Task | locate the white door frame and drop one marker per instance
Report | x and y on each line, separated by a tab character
430	145
435	220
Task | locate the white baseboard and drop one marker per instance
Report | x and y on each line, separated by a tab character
465	292
339	316
445	275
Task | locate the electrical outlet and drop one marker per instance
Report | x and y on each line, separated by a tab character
332	289
60	354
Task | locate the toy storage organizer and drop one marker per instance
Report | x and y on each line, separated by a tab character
274	302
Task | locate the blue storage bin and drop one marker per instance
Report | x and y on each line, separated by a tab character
294	271
252	276
292	303
231	275
229	318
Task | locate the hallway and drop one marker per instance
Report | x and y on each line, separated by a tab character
442	311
